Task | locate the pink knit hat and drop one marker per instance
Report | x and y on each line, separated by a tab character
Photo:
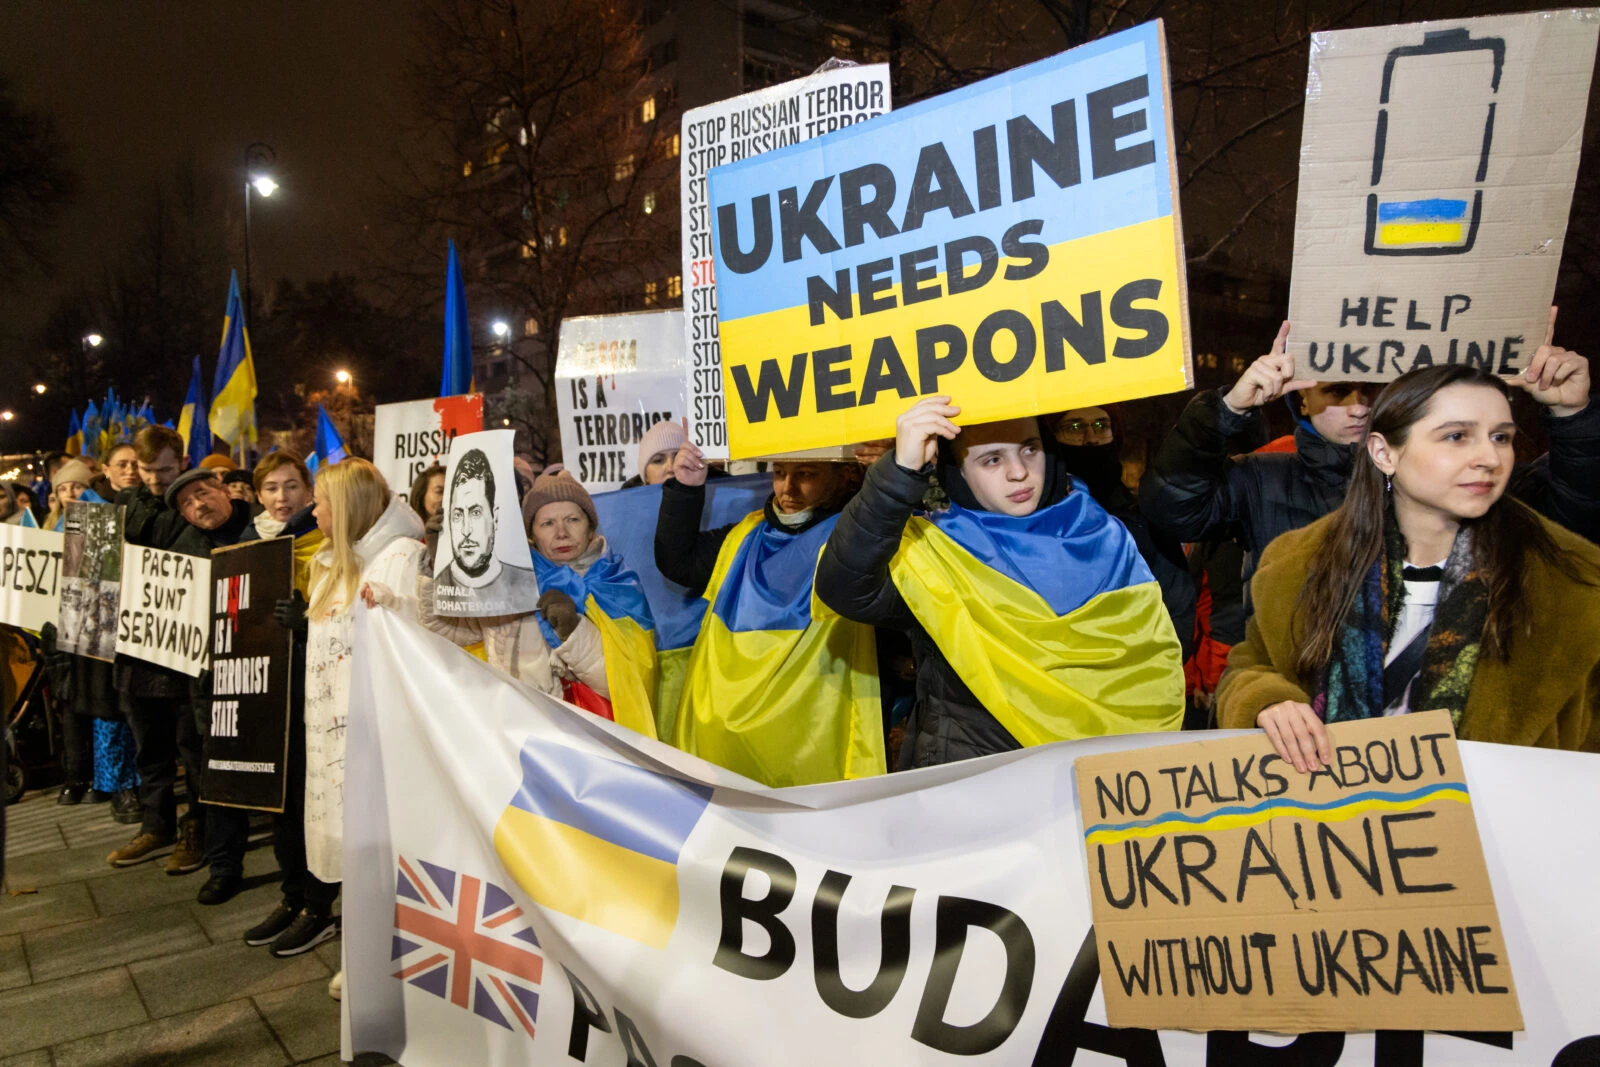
552	488
665	436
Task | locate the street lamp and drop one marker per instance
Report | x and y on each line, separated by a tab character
501	329
257	157
40	388
7	415
92	340
342	377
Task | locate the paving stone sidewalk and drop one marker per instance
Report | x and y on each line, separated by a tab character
100	966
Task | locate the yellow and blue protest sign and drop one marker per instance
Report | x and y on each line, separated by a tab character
1015	243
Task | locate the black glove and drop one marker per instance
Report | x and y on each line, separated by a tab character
560	612
291	613
47	639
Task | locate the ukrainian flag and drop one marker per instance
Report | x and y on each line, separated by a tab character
1053	619
329	448
192	424
780	688
610	596
599	840
629	518
1409	223
74	445
233	404
92	427
457	376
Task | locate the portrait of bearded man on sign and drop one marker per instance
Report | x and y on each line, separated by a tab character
487	568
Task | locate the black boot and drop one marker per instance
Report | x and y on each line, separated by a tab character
125	807
72	794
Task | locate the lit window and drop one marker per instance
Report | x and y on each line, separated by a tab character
674	286
466	169
561	237
675	147
531	327
649	294
522	136
839	43
649	203
496	154
647	110
623	169
527	250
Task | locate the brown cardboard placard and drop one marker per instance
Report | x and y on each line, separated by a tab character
1437	163
1231	892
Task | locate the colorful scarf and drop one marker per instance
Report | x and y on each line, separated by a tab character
1351	686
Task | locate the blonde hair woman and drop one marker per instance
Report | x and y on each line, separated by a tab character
373	544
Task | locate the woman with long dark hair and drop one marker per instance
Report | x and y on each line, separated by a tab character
1430	588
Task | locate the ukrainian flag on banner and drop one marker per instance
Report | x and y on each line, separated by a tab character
233	390
780	688
599	840
628	518
74	445
1407	224
1053	619
610	596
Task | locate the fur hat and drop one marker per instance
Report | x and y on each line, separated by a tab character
664	436
551	488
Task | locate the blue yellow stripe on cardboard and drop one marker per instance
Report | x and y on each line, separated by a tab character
1239	816
1022	170
1436	221
599	840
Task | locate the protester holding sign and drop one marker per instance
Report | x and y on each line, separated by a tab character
1428	588
779	687
1031	613
1196	490
373	548
592	639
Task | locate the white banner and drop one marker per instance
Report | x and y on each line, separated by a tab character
726	132
30	576
529	884
164	616
616	376
409	438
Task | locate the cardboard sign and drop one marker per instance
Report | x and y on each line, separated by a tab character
247	745
165	612
483	565
91	579
1014	244
409	438
1436	173
1231	892
30	576
726	132
616	376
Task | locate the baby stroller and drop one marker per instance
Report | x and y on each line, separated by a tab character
29	737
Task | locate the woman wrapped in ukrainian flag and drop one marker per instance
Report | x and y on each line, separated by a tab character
592	639
1032	615
778	687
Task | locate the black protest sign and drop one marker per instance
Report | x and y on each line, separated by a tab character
1231	892
247	743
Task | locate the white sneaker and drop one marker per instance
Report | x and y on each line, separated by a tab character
336	986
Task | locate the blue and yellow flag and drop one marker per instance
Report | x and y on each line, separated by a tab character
74	446
599	840
1053	620
92	427
610	596
193	426
780	688
457	377
233	389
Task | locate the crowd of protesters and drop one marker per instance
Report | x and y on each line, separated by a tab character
956	591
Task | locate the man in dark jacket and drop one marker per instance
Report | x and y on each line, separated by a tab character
1194	490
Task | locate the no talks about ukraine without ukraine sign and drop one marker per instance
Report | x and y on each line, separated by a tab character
1015	244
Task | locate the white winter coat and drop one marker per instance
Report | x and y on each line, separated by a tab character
515	644
390	553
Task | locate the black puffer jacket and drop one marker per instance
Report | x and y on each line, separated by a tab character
1194	490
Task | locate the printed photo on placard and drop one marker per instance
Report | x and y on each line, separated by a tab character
483	565
91	580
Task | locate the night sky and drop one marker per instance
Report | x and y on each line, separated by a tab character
135	85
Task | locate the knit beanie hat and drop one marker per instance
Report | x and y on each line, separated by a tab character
218	462
665	436
74	470
552	488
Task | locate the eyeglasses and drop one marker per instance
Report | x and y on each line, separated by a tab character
1080	426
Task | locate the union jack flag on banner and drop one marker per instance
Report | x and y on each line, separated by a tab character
459	938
